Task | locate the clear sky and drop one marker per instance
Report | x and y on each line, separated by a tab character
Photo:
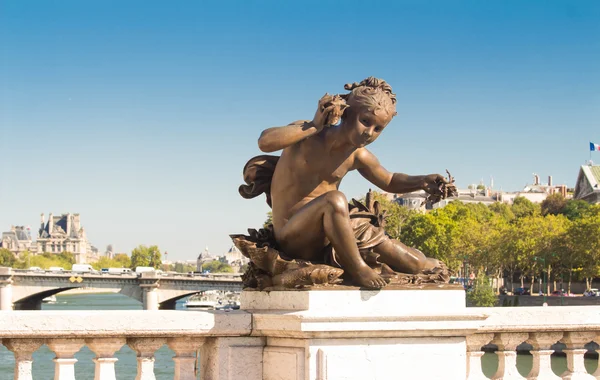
140	115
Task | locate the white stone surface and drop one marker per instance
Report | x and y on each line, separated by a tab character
232	359
432	300
362	335
360	314
539	319
83	324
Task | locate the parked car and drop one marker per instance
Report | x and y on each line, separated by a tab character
522	292
591	293
558	293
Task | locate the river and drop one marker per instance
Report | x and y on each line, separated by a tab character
126	366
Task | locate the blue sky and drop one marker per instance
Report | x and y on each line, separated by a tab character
140	115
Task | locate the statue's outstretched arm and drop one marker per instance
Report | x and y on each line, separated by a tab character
369	167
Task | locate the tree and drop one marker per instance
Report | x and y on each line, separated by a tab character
396	215
7	258
553	204
482	294
122	260
182	268
143	256
217	266
584	241
67	257
269	219
523	207
503	210
575	209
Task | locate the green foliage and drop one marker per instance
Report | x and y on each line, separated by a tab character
482	294
396	215
503	210
143	256
269	219
182	268
217	266
523	207
45	260
116	262
575	209
7	259
122	260
553	204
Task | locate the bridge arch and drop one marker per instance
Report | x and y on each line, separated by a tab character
26	290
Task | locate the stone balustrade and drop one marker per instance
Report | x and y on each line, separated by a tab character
215	335
297	335
543	329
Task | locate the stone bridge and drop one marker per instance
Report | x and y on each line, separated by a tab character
25	290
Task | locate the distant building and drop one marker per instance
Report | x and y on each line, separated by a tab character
64	233
109	252
202	258
469	196
536	192
587	187
412	201
235	258
17	240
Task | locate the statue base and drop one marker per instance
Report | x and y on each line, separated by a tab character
340	333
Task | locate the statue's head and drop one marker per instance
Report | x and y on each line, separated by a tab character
372	106
372	94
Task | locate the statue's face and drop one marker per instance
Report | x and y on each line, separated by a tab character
365	126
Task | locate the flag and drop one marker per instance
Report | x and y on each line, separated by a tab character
594	146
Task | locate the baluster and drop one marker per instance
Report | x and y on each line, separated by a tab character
474	354
65	350
507	355
185	356
105	348
575	352
145	348
596	374
23	350
542	350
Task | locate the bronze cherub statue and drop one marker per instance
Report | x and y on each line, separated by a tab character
313	224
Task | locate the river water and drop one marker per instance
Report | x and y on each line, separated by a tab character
126	366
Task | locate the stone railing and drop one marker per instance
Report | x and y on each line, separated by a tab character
313	336
540	330
220	339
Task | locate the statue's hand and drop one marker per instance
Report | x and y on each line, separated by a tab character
329	111
438	187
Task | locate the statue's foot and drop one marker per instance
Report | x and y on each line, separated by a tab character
367	278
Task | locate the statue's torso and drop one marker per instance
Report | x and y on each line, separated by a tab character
305	171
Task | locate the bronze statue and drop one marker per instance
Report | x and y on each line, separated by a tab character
312	220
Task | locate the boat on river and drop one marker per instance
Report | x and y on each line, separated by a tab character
50	299
202	302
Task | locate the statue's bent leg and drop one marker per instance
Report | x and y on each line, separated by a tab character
402	258
327	218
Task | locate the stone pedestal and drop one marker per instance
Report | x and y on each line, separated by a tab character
357	334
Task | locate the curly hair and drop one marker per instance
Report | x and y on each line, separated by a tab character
373	93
